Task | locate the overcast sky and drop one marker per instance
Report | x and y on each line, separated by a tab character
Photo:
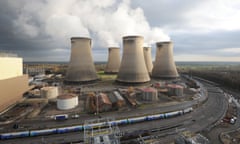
201	30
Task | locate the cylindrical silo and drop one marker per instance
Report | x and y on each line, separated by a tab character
114	61
67	101
164	65
148	58
133	68
49	92
81	67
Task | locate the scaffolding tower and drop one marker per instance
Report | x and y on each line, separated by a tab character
101	131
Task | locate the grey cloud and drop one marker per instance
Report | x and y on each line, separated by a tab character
167	13
206	43
35	43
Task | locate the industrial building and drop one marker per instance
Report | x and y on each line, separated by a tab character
103	102
133	68
175	90
114	61
117	100
148	59
11	77
49	92
81	68
67	101
96	103
164	65
11	66
160	84
149	94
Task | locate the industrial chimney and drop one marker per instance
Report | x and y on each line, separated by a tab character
164	66
133	68
148	59
81	67
114	61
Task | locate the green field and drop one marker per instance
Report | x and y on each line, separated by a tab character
104	76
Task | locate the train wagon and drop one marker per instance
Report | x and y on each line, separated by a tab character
154	117
14	135
69	129
43	132
187	110
136	119
172	114
97	125
119	122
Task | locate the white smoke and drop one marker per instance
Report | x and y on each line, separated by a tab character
105	21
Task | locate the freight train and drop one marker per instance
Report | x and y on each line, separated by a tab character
31	133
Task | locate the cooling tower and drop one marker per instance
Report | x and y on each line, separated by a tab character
133	68
148	59
113	63
164	66
81	67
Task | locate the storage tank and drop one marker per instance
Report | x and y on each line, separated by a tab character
81	67
114	61
175	90
148	59
149	94
67	101
133	68
49	92
164	65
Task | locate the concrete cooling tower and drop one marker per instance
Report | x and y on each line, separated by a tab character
81	67
164	66
114	61
133	68
148	58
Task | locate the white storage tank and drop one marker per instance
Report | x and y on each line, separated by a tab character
49	92
67	101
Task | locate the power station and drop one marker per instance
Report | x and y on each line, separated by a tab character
137	98
133	68
81	67
164	66
148	58
11	77
114	61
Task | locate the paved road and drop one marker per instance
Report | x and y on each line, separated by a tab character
214	134
200	119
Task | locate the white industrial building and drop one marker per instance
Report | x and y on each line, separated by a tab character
10	66
11	77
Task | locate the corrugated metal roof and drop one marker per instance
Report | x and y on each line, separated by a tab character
104	98
118	95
